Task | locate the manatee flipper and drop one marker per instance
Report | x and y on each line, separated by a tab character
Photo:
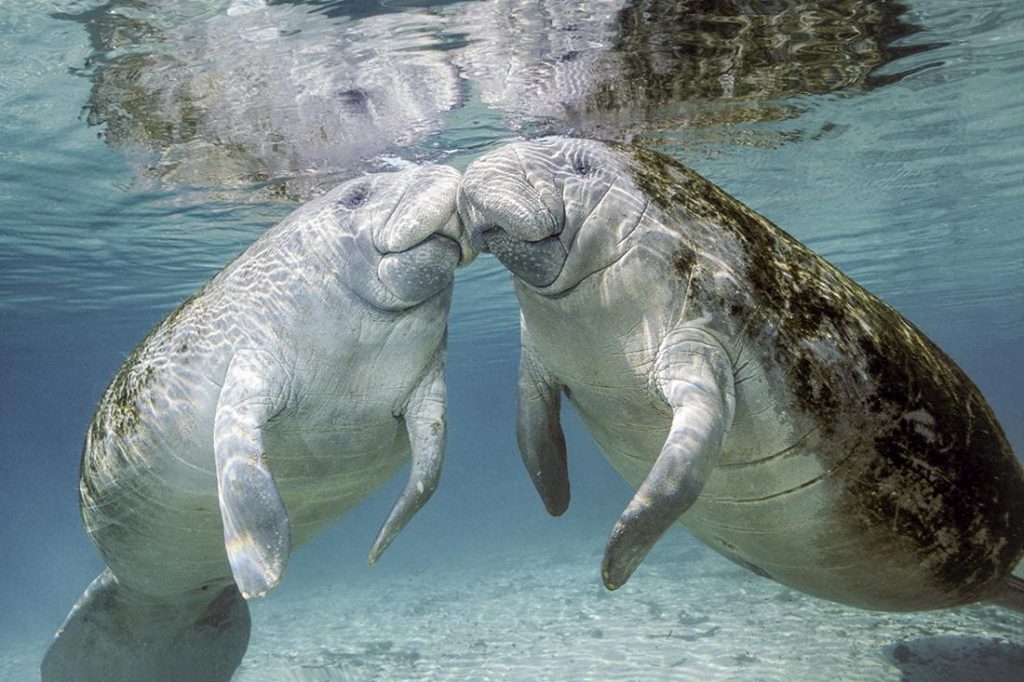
257	534
695	377
539	430
112	635
427	427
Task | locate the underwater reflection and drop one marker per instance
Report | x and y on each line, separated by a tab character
622	69
231	94
293	96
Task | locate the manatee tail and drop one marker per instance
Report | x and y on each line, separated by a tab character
1011	596
113	636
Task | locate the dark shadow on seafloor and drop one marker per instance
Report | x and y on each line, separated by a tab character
957	658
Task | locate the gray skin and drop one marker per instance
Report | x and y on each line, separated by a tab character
748	389
290	387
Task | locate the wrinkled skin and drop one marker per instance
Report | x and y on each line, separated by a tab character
747	389
286	390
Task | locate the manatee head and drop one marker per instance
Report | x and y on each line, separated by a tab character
553	211
400	237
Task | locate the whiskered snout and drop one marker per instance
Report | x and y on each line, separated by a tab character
423	241
424	207
513	210
423	271
554	211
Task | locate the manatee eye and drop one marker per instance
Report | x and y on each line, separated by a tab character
580	168
355	197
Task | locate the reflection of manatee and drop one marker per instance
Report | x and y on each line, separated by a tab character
537	61
615	67
265	93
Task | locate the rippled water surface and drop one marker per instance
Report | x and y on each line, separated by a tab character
144	143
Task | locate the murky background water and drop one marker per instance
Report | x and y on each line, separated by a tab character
143	143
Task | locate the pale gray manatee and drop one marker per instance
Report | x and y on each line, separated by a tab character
744	386
291	386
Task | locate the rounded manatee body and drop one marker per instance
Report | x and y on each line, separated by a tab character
748	389
286	390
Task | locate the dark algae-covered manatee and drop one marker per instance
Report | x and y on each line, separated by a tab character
743	385
290	387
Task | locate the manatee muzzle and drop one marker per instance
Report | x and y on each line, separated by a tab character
536	263
422	271
509	218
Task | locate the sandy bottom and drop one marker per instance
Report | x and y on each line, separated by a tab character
543	615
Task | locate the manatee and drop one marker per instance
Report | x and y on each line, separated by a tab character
745	387
291	386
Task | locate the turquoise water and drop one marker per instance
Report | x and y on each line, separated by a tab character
904	166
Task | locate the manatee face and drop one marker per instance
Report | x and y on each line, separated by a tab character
402	238
553	211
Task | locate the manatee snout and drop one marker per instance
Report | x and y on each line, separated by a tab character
422	241
514	213
422	271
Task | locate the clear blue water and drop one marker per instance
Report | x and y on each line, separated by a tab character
911	181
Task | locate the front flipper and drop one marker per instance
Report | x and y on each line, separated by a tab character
695	377
426	424
257	534
539	430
